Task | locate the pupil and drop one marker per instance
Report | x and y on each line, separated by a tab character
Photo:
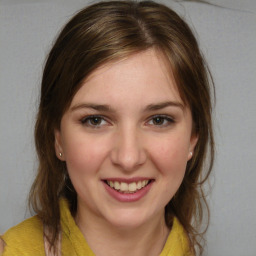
158	120
96	120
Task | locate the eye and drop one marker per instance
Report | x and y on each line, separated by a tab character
160	120
94	121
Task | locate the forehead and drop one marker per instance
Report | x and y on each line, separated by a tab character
145	76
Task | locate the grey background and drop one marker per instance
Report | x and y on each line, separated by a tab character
227	37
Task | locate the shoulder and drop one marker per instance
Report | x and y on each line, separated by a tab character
28	229
24	239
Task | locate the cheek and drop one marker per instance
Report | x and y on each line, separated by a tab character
170	155
83	156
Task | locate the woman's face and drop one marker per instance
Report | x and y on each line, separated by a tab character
126	140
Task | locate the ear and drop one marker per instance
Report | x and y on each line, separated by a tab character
193	142
58	145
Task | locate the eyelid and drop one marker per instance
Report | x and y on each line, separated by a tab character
168	121
84	120
167	118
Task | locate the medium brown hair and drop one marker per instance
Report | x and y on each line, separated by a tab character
110	31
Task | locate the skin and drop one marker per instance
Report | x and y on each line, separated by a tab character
144	132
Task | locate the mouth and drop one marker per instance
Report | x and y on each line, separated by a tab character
128	188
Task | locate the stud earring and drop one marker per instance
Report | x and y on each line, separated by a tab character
191	154
60	154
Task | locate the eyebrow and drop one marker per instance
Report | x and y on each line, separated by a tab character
104	108
162	105
150	107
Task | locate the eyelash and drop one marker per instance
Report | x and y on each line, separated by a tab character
167	120
87	119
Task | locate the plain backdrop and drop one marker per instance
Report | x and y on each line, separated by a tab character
227	36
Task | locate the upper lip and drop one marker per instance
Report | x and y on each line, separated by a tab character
128	180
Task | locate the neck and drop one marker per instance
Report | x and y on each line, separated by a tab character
104	239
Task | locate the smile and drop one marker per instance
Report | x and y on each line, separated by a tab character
124	187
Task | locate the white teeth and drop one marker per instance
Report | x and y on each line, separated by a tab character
111	184
124	186
139	185
117	185
127	187
132	187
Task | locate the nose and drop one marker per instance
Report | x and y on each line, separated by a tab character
128	152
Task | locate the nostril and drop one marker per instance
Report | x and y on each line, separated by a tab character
128	160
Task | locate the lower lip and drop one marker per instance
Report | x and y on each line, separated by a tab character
128	197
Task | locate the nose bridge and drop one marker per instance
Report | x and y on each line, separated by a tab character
128	151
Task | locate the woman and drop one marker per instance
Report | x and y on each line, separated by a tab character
122	133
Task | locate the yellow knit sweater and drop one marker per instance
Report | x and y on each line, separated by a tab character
27	238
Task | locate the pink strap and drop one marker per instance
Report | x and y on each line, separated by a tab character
48	249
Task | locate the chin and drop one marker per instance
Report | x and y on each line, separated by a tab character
129	219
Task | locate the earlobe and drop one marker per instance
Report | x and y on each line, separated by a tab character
190	155
193	142
58	146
